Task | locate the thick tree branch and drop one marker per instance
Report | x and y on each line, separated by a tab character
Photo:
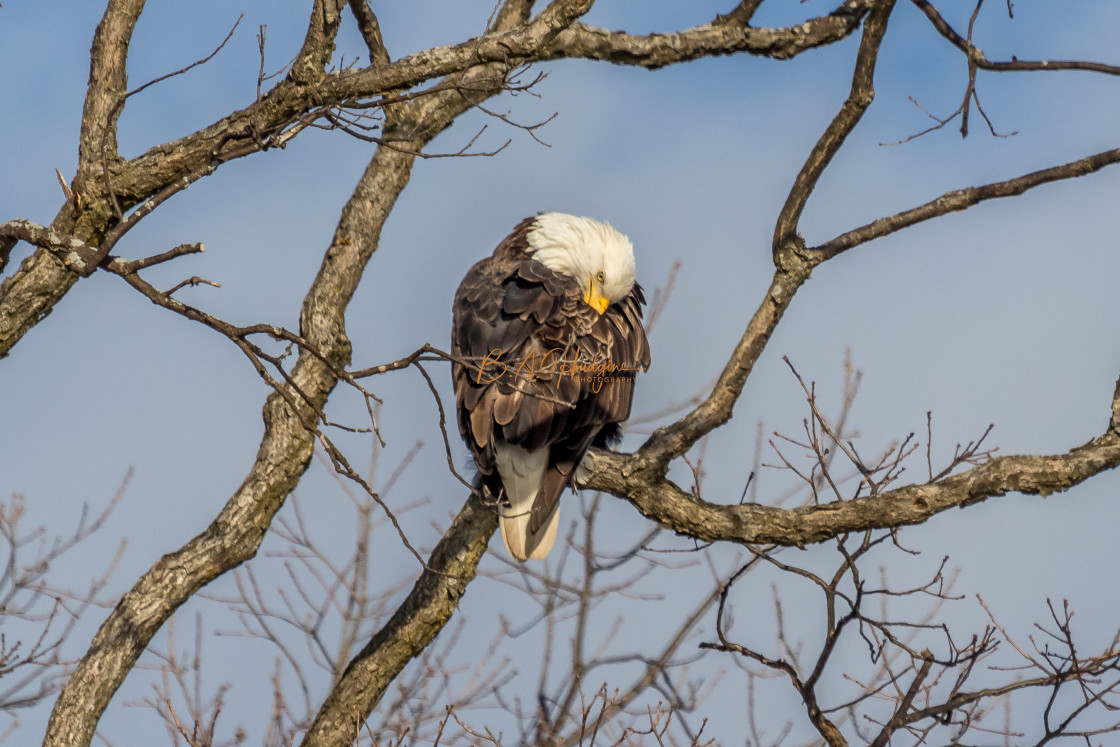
108	82
285	452
28	296
512	13
1114	421
74	254
668	442
42	279
371	32
289	416
715	38
661	500
434	598
559	14
311	62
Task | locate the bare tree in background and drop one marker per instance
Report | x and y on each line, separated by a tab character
37	616
919	681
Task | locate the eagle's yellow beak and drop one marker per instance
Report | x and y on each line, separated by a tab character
594	299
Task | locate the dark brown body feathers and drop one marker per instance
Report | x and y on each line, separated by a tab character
539	368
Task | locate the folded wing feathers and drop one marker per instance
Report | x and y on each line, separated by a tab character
516	323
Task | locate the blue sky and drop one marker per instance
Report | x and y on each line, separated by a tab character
1004	314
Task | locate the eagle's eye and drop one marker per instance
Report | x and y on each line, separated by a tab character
601	277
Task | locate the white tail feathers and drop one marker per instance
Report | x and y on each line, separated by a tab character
522	471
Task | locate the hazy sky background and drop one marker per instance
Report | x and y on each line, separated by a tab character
1004	314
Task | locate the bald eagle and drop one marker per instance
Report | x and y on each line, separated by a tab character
547	338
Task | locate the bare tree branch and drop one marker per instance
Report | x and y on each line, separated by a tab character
310	64
663	501
371	32
794	267
71	252
416	622
108	85
105	187
861	95
285	453
719	37
962	199
742	13
976	55
400	106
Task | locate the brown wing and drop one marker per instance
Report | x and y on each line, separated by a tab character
616	348
539	367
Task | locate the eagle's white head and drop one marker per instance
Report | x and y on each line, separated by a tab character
600	258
